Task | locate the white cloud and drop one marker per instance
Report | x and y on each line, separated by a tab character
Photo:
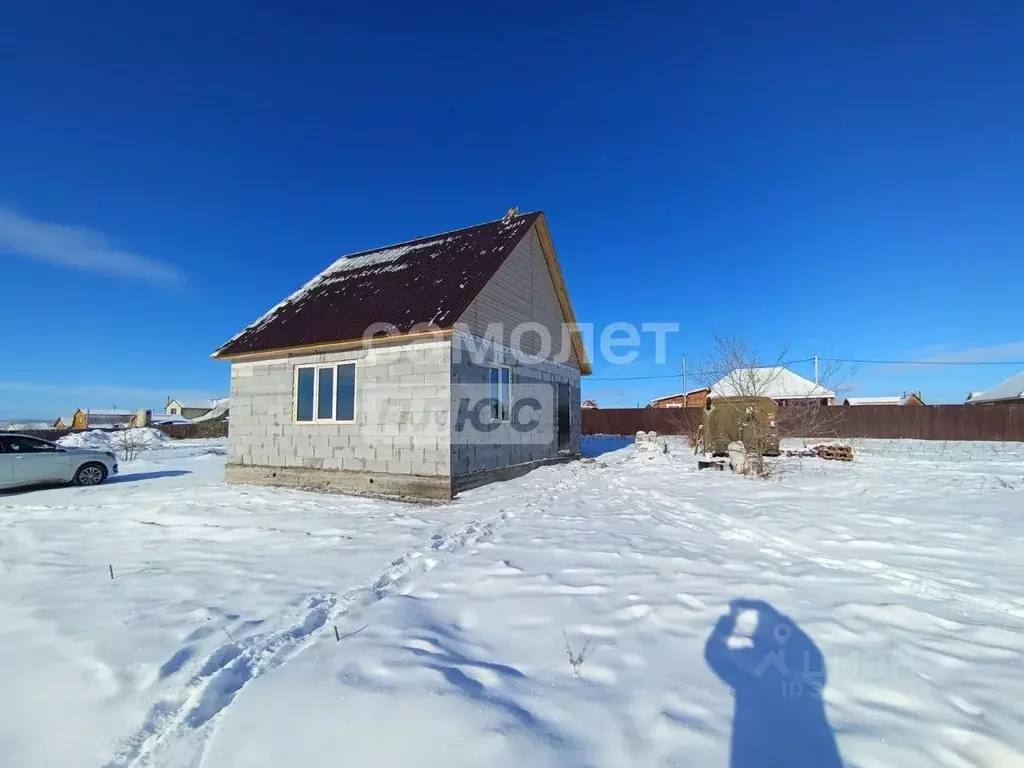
79	248
997	353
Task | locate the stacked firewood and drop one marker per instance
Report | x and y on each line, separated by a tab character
835	451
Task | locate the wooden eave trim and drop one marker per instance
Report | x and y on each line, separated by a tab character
548	247
334	346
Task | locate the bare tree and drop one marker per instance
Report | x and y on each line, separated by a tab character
737	377
130	443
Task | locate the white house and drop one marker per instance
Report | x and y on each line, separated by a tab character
1006	391
192	409
776	382
419	369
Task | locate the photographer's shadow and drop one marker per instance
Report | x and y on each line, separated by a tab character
777	675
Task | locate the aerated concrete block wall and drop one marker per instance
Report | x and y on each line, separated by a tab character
531	376
402	421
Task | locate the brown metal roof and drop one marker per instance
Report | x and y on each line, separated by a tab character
432	280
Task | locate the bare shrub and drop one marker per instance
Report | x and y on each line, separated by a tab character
687	422
576	659
734	370
130	443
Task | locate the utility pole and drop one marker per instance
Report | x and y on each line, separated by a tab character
684	381
815	369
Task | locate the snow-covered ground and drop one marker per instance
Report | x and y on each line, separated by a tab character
712	609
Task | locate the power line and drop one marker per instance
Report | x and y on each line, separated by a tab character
830	360
782	364
924	362
633	378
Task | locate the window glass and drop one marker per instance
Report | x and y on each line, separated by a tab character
325	393
26	445
506	381
304	397
346	399
500	382
495	394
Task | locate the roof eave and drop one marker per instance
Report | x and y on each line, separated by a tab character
334	346
551	258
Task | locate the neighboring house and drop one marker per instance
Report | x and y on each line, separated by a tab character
971	396
219	412
907	398
27	426
695	398
191	409
102	419
156	418
1011	390
419	369
780	384
589	405
64	422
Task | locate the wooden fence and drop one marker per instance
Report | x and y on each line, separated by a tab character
202	429
995	421
195	431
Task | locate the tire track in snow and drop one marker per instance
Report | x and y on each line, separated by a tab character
233	665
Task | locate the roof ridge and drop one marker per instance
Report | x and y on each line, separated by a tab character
425	238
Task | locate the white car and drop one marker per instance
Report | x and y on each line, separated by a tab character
28	460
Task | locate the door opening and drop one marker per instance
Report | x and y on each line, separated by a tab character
563	417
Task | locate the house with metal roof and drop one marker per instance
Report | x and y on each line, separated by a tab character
776	382
102	418
907	398
694	398
192	409
419	369
1010	390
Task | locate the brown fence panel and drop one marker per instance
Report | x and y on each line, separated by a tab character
203	429
198	431
628	421
995	421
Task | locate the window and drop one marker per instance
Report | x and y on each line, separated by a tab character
501	394
174	410
325	393
26	445
345	399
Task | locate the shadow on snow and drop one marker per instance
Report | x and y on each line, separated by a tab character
777	675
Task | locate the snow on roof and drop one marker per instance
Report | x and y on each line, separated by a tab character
26	426
210	403
775	381
429	281
1011	389
159	417
218	411
900	400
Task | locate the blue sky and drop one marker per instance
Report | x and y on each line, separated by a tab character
854	169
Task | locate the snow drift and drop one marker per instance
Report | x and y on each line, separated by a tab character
107	441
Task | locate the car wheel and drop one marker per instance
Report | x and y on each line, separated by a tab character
90	474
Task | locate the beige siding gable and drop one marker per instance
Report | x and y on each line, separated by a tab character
522	291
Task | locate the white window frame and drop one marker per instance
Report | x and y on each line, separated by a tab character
316	368
498	367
